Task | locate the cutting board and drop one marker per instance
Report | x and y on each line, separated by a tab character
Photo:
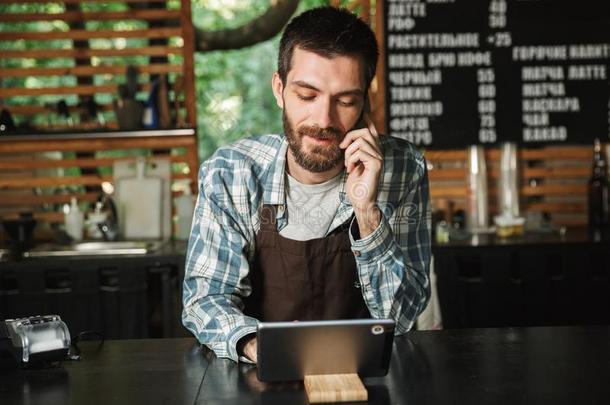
155	168
139	202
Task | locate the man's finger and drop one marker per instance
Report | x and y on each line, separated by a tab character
364	134
250	350
368	139
363	144
351	136
370	124
360	156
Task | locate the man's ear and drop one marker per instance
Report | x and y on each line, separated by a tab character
278	89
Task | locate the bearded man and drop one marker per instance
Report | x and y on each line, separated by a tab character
328	221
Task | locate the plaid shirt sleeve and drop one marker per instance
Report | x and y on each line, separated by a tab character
216	262
394	261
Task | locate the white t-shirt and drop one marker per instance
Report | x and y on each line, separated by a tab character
311	208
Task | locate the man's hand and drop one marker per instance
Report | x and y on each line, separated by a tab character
248	347
363	161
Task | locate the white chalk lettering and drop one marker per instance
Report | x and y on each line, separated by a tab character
440	59
566	104
411	93
487	135
587	72
485	75
406	60
410	124
415	77
487	106
536	120
429	109
528	53
543	89
401	24
415	137
434	40
541	73
487	90
409	9
474	59
547	134
590	51
487	121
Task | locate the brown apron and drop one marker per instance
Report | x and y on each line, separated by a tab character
303	280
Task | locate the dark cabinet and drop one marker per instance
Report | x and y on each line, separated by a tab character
121	297
523	284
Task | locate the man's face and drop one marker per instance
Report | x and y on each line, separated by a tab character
322	100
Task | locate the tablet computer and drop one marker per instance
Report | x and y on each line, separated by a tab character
288	351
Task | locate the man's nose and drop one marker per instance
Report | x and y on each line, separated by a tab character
324	114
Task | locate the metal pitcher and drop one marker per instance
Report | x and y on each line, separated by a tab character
477	210
509	195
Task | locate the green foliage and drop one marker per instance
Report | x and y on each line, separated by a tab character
234	97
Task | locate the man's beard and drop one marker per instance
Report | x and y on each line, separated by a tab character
320	158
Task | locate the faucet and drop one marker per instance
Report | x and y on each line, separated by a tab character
109	228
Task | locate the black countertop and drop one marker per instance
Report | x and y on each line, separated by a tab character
560	365
572	236
161	371
168	249
550	237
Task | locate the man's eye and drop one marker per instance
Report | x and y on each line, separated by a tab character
305	98
347	103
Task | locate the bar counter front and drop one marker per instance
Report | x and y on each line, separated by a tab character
541	365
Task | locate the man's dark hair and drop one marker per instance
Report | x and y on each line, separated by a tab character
328	32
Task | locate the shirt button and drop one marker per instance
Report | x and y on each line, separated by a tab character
357	253
357	284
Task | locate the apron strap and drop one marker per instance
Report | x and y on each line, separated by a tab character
268	217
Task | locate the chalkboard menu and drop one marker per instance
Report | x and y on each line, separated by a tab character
462	72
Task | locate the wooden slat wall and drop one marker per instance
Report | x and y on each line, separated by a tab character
35	177
40	174
148	15
105	64
553	180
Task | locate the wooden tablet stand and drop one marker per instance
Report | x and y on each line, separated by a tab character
335	388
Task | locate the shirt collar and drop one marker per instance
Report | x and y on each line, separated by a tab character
275	192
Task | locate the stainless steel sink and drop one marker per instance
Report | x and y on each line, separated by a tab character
95	249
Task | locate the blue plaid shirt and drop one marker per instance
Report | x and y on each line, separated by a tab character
393	261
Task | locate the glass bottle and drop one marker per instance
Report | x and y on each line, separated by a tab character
599	217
